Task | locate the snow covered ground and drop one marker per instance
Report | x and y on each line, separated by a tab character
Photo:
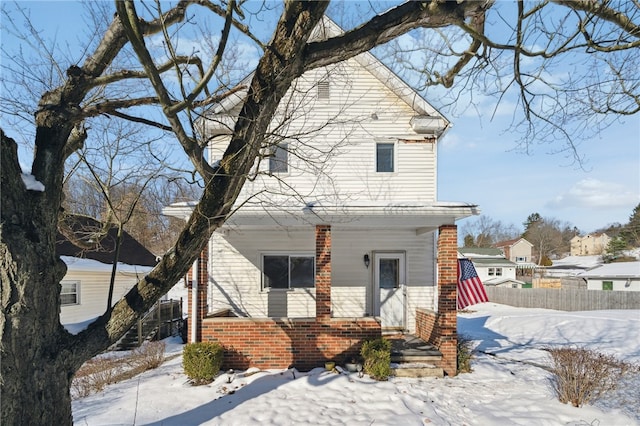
507	387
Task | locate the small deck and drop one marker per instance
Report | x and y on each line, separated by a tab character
413	357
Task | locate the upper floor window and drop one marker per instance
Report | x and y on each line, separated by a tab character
285	271
279	158
607	285
323	89
385	157
521	259
69	295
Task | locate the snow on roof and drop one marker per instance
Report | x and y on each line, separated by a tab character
612	270
577	262
77	264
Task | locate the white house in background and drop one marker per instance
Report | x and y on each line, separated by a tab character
357	152
85	286
619	276
590	244
492	267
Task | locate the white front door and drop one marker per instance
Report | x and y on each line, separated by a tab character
389	289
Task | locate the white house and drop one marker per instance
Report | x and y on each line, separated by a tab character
85	286
350	175
493	268
619	276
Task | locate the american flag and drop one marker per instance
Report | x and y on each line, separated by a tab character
470	288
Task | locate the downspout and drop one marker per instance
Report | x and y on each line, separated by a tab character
194	301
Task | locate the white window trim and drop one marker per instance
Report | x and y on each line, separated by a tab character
271	155
290	254
77	292
395	155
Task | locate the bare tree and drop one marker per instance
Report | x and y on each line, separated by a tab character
484	231
132	62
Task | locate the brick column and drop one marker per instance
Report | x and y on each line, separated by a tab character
202	276
323	273
447	293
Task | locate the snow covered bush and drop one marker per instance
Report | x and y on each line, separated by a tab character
377	358
581	376
202	361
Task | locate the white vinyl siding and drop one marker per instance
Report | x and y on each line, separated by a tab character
236	275
338	139
93	294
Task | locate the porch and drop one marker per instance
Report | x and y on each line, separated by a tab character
308	342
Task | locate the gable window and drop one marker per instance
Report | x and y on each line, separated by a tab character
285	271
279	158
385	157
607	285
521	259
323	89
69	293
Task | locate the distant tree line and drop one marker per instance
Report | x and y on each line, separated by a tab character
551	238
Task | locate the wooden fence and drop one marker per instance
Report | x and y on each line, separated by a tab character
571	299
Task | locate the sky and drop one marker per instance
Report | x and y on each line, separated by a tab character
508	384
478	161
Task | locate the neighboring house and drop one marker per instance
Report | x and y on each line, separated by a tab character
571	266
85	286
337	234
619	276
518	251
590	244
493	268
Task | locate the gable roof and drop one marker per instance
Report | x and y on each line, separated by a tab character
428	118
485	256
84	228
511	243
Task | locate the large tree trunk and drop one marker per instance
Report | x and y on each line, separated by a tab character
36	374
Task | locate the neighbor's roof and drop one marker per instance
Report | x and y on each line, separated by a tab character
509	243
84	227
614	270
474	252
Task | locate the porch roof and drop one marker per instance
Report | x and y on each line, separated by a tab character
424	217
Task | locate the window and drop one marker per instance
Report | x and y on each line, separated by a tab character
384	157
69	293
497	272
607	285
279	159
323	89
521	259
288	271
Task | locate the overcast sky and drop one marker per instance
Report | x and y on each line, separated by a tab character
479	163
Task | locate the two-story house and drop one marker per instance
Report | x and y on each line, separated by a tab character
336	233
